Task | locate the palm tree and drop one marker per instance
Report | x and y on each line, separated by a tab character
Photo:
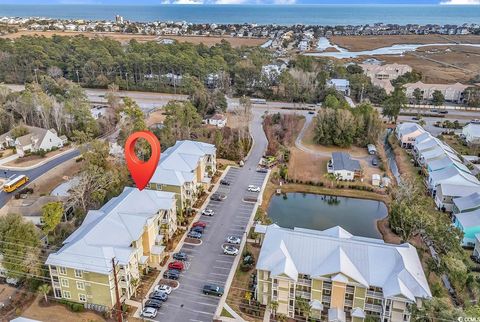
273	307
304	307
45	289
248	296
134	282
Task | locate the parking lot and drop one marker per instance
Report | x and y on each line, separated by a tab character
207	264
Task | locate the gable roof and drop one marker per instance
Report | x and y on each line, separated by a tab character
471	201
469	219
178	163
343	161
109	231
453	176
368	261
473	129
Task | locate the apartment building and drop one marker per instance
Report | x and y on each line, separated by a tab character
382	75
452	92
343	277
129	230
185	169
407	133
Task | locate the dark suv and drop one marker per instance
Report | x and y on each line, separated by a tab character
172	274
180	256
211	289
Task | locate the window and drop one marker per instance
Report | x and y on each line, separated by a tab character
64	282
62	270
58	293
80	285
66	294
82	297
78	273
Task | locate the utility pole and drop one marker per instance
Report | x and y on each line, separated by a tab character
78	78
126	77
117	294
361	95
36	78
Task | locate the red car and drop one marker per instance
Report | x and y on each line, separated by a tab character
200	224
176	265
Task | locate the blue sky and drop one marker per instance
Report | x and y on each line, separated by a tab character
155	2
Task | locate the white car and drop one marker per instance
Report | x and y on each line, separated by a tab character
149	312
208	212
163	288
230	250
253	188
233	240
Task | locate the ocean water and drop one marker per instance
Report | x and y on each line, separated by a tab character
260	14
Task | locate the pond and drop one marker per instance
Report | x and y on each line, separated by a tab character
319	212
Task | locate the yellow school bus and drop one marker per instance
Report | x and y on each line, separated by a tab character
15	183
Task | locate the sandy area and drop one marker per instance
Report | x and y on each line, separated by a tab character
58	313
124	38
155	118
304	166
359	43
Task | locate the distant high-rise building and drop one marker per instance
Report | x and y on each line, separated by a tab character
118	19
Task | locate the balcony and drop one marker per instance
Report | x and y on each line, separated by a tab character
350	289
325	299
303	294
374	294
373	307
349	303
327	286
56	284
304	281
53	271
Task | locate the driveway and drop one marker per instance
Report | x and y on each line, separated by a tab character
34	173
207	263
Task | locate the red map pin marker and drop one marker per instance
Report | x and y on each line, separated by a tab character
141	171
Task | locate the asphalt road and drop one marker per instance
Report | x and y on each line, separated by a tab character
34	173
207	263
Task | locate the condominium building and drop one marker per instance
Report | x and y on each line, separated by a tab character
343	277
382	75
185	169
129	231
452	92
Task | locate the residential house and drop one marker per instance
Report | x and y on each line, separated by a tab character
407	133
35	140
185	169
452	92
446	193
341	85
451	176
444	163
218	120
343	166
382	75
343	277
127	232
469	224
467	203
471	132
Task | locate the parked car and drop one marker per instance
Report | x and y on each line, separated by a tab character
475	121
374	162
230	250
233	240
172	274
218	197
224	182
158	296
208	212
163	288
180	256
199	224
211	289
262	170
253	188
197	229
311	112
194	234
443	112
153	303
149	312
176	265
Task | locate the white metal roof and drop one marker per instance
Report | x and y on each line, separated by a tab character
395	268
109	231
471	201
455	190
469	219
452	176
